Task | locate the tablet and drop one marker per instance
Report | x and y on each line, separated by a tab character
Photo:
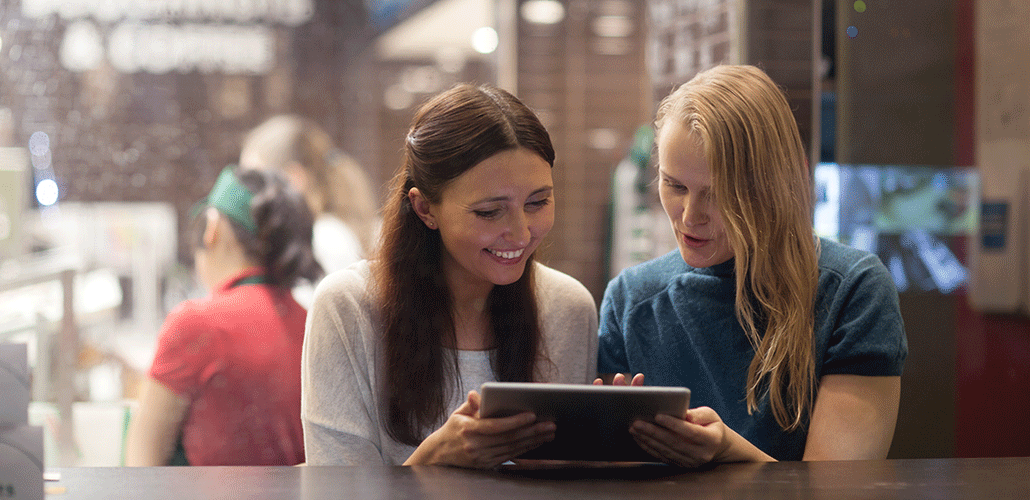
592	421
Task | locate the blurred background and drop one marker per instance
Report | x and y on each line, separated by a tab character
116	116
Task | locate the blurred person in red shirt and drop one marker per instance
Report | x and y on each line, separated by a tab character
224	386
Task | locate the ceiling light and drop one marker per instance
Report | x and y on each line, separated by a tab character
543	11
484	40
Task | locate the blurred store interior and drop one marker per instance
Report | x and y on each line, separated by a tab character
116	117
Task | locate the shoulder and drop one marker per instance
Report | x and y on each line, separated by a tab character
188	318
191	331
349	282
859	327
343	294
642	281
550	281
843	265
342	315
557	290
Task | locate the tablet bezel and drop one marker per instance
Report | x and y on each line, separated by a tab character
592	420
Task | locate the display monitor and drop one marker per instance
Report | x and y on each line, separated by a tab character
912	217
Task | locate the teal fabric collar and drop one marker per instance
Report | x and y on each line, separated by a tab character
249	280
231	198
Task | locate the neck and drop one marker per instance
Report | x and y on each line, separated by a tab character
469	310
226	266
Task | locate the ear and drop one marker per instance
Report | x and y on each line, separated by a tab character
422	207
212	229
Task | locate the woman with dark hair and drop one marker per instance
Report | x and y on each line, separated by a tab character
224	386
395	347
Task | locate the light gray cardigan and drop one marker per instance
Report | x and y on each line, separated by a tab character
341	406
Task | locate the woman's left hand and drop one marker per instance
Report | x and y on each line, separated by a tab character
697	439
692	441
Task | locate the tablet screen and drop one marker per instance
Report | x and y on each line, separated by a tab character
592	421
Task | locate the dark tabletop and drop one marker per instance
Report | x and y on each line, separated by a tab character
989	479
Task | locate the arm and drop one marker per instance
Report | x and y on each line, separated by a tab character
155	428
856	405
611	345
698	438
338	410
854	418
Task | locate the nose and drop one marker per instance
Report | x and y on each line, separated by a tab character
695	211
518	231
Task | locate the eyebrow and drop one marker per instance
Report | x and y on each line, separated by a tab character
505	198
663	173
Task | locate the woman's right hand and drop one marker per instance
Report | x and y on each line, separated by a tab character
619	379
466	440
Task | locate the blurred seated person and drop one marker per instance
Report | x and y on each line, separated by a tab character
224	386
335	187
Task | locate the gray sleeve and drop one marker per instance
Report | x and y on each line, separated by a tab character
569	322
338	405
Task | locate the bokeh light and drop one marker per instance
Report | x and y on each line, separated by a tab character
39	143
485	40
543	11
47	192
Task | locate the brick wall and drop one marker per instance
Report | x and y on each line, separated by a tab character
592	92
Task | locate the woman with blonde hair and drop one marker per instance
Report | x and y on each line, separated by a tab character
336	188
793	346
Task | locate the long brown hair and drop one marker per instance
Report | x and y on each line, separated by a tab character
449	135
763	188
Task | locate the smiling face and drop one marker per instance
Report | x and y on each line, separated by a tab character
492	218
685	188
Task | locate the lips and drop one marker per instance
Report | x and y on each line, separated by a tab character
694	242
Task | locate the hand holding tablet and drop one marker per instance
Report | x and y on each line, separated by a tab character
592	421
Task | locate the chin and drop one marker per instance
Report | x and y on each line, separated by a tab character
508	278
694	260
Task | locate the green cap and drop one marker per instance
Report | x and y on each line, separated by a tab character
231	198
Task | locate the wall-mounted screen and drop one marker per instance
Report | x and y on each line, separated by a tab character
912	217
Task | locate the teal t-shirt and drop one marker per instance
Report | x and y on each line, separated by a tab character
676	325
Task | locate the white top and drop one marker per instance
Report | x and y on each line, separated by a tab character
334	243
335	246
341	406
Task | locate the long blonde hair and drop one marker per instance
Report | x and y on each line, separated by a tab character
763	189
338	184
